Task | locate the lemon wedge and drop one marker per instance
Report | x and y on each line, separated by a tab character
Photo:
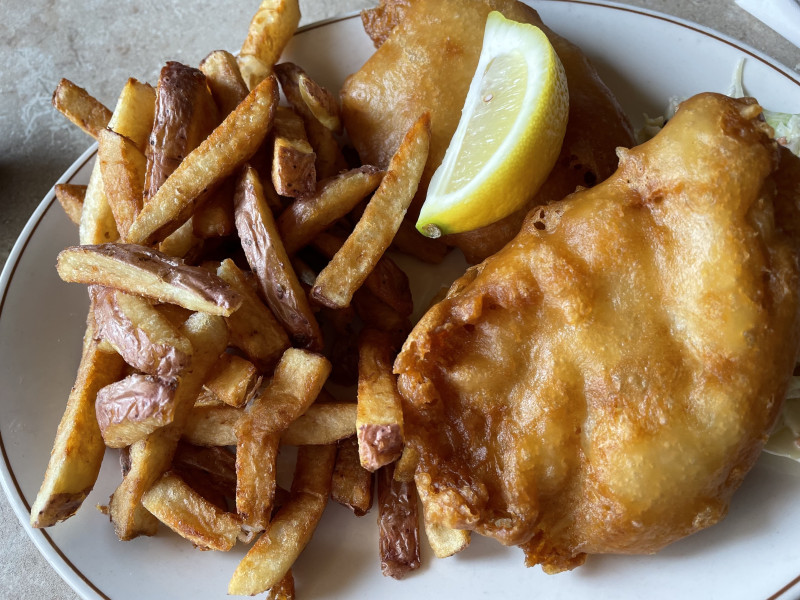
509	135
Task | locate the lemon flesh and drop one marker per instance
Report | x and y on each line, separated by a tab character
509	136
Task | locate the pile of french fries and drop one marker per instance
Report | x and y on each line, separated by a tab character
236	266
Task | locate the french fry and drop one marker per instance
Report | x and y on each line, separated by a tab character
80	107
373	234
330	159
189	515
268	259
270	30
254	329
122	166
398	525
253	70
386	281
144	271
376	314
320	102
322	423
232	143
293	171
97	224
78	447
283	590
379	422
152	456
218	463
351	485
310	215
214	218
182	243
233	380
185	114
445	541
134	113
210	425
131	409
225	80
291	529
297	380
406	465
70	197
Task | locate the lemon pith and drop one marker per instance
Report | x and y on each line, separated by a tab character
509	136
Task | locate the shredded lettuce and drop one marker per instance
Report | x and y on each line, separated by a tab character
786	125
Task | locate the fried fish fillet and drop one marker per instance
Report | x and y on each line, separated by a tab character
605	381
428	53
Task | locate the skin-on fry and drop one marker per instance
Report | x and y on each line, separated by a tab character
293	171
352	483
254	329
185	114
233	380
310	215
190	515
80	107
233	142
292	527
379	423
374	232
70	197
225	80
147	272
321	102
386	281
78	448
329	156
139	333
134	113
268	259
398	525
153	455
297	381
270	30
97	224
122	166
132	408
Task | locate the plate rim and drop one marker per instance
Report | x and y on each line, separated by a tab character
44	543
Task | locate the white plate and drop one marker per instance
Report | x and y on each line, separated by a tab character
645	58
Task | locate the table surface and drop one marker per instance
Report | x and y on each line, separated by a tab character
99	44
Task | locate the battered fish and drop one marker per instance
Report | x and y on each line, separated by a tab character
604	383
428	53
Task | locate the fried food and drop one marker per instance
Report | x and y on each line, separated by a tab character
604	382
427	63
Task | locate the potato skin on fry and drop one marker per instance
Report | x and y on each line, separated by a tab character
148	272
139	333
130	409
398	525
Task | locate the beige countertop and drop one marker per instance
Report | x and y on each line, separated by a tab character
99	44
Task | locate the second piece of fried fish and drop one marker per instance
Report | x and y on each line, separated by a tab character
428	53
604	383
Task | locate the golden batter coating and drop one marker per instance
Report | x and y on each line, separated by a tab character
427	55
604	382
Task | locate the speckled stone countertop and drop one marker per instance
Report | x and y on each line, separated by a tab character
99	44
